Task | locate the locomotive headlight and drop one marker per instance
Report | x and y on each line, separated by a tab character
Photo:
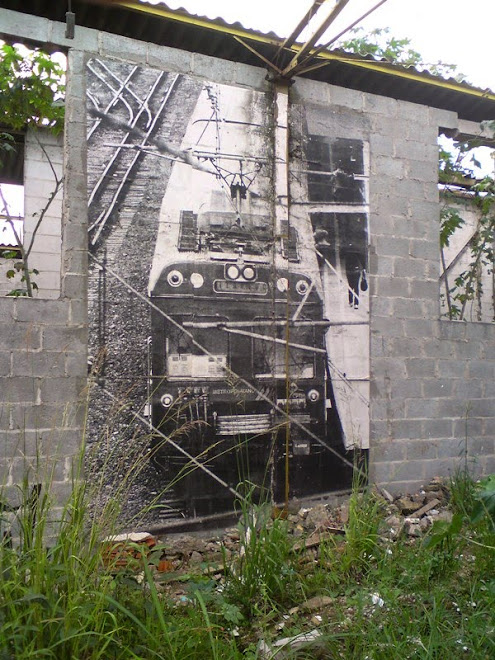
197	280
232	272
302	287
175	278
248	273
313	396
282	284
167	400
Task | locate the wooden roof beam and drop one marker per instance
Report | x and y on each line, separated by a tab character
332	15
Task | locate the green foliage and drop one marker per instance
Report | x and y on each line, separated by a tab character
412	599
380	45
32	87
484	505
361	549
263	575
457	171
19	268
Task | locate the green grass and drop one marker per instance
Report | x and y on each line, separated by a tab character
429	598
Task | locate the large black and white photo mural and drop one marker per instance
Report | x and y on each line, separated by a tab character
231	317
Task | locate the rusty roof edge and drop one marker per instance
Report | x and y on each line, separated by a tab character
236	29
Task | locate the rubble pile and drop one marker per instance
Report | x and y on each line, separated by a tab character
411	515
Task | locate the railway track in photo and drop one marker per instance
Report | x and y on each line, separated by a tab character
126	185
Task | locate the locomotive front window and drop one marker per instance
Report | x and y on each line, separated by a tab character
277	356
185	359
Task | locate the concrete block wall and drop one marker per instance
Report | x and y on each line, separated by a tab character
43	341
43	152
431	381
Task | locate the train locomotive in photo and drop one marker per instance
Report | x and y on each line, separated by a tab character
239	372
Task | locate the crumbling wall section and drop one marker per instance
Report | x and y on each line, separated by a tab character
43	342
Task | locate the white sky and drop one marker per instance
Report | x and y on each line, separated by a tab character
454	31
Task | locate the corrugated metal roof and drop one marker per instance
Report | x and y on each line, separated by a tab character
157	23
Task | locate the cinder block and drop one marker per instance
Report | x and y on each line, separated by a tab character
169	59
409	388
437	428
391	246
393	472
382	266
420	367
421	170
24	26
442	119
388	166
419	328
458	408
468	427
59	443
123	48
38	363
388	327
75	234
381	145
413	112
468	350
65	339
397	129
482	369
445	467
487	465
410	189
5	364
17	389
407	309
437	387
405	428
20	336
78	312
392	450
61	491
311	91
380	307
482	446
412	150
389	367
74	286
422	409
385	203
251	76
452	368
481	407
470	389
392	286
213	68
85	39
408	267
421	449
76	364
348	98
18	443
489	390
380	105
424	249
57	390
382	224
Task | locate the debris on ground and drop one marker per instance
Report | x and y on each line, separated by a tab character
206	553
